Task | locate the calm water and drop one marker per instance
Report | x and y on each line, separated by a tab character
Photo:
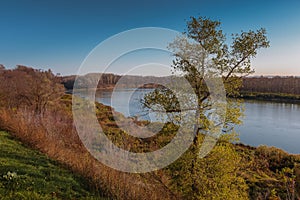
273	124
270	123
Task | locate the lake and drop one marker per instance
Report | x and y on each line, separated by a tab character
273	124
269	123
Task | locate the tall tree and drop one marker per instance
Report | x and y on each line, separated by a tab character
203	52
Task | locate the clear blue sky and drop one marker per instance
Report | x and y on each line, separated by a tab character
59	34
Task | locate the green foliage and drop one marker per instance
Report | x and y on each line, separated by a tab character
201	54
11	181
27	174
288	176
273	195
212	177
269	172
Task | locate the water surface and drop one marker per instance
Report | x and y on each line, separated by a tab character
269	123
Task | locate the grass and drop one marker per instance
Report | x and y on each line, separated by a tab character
54	135
28	174
41	178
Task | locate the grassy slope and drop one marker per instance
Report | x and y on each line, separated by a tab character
37	176
263	168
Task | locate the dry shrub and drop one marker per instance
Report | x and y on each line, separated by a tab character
34	110
53	133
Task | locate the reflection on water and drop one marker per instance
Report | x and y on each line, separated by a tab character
274	124
126	101
270	123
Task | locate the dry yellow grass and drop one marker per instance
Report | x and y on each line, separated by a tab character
54	134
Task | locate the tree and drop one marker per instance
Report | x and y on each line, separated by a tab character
202	52
29	88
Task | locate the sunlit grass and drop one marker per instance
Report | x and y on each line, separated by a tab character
28	174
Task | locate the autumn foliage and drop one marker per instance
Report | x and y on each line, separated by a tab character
35	110
277	84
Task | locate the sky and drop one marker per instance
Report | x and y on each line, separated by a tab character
61	34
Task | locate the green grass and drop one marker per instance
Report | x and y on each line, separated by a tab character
36	176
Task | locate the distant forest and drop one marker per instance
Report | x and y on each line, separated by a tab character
277	84
108	81
262	84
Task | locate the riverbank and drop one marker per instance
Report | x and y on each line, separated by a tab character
269	171
264	169
276	97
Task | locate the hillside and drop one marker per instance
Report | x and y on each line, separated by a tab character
28	174
47	126
270	173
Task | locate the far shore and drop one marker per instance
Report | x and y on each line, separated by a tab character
275	97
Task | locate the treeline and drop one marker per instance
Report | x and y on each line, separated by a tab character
277	84
110	80
87	80
262	84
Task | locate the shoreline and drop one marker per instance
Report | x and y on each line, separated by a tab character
259	96
274	97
